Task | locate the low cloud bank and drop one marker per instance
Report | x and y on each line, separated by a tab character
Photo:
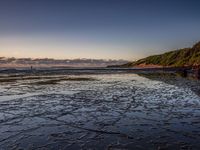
47	62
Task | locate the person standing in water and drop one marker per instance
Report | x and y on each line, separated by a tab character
31	68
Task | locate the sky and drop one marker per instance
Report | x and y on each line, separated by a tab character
99	29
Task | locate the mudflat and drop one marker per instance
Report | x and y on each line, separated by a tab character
95	110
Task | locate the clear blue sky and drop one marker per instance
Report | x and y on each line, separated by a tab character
115	29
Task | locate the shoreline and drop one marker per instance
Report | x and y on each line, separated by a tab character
182	71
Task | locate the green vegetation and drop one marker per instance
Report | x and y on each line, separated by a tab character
177	58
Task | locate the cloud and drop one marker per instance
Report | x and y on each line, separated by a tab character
48	62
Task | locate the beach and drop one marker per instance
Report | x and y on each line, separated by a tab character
110	109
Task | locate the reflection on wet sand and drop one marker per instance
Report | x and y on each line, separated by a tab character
111	111
174	79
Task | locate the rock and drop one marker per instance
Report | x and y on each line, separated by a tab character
197	73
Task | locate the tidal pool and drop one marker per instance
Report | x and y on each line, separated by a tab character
106	111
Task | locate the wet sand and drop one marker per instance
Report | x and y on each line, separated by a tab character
99	111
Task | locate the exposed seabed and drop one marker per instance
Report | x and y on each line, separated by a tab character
98	111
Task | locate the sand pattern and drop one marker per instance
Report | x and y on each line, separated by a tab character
111	111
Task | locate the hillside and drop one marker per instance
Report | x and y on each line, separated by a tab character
176	58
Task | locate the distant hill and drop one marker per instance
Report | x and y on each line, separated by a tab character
176	58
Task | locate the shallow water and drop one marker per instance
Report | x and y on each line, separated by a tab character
113	111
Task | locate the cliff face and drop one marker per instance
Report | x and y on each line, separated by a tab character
177	58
